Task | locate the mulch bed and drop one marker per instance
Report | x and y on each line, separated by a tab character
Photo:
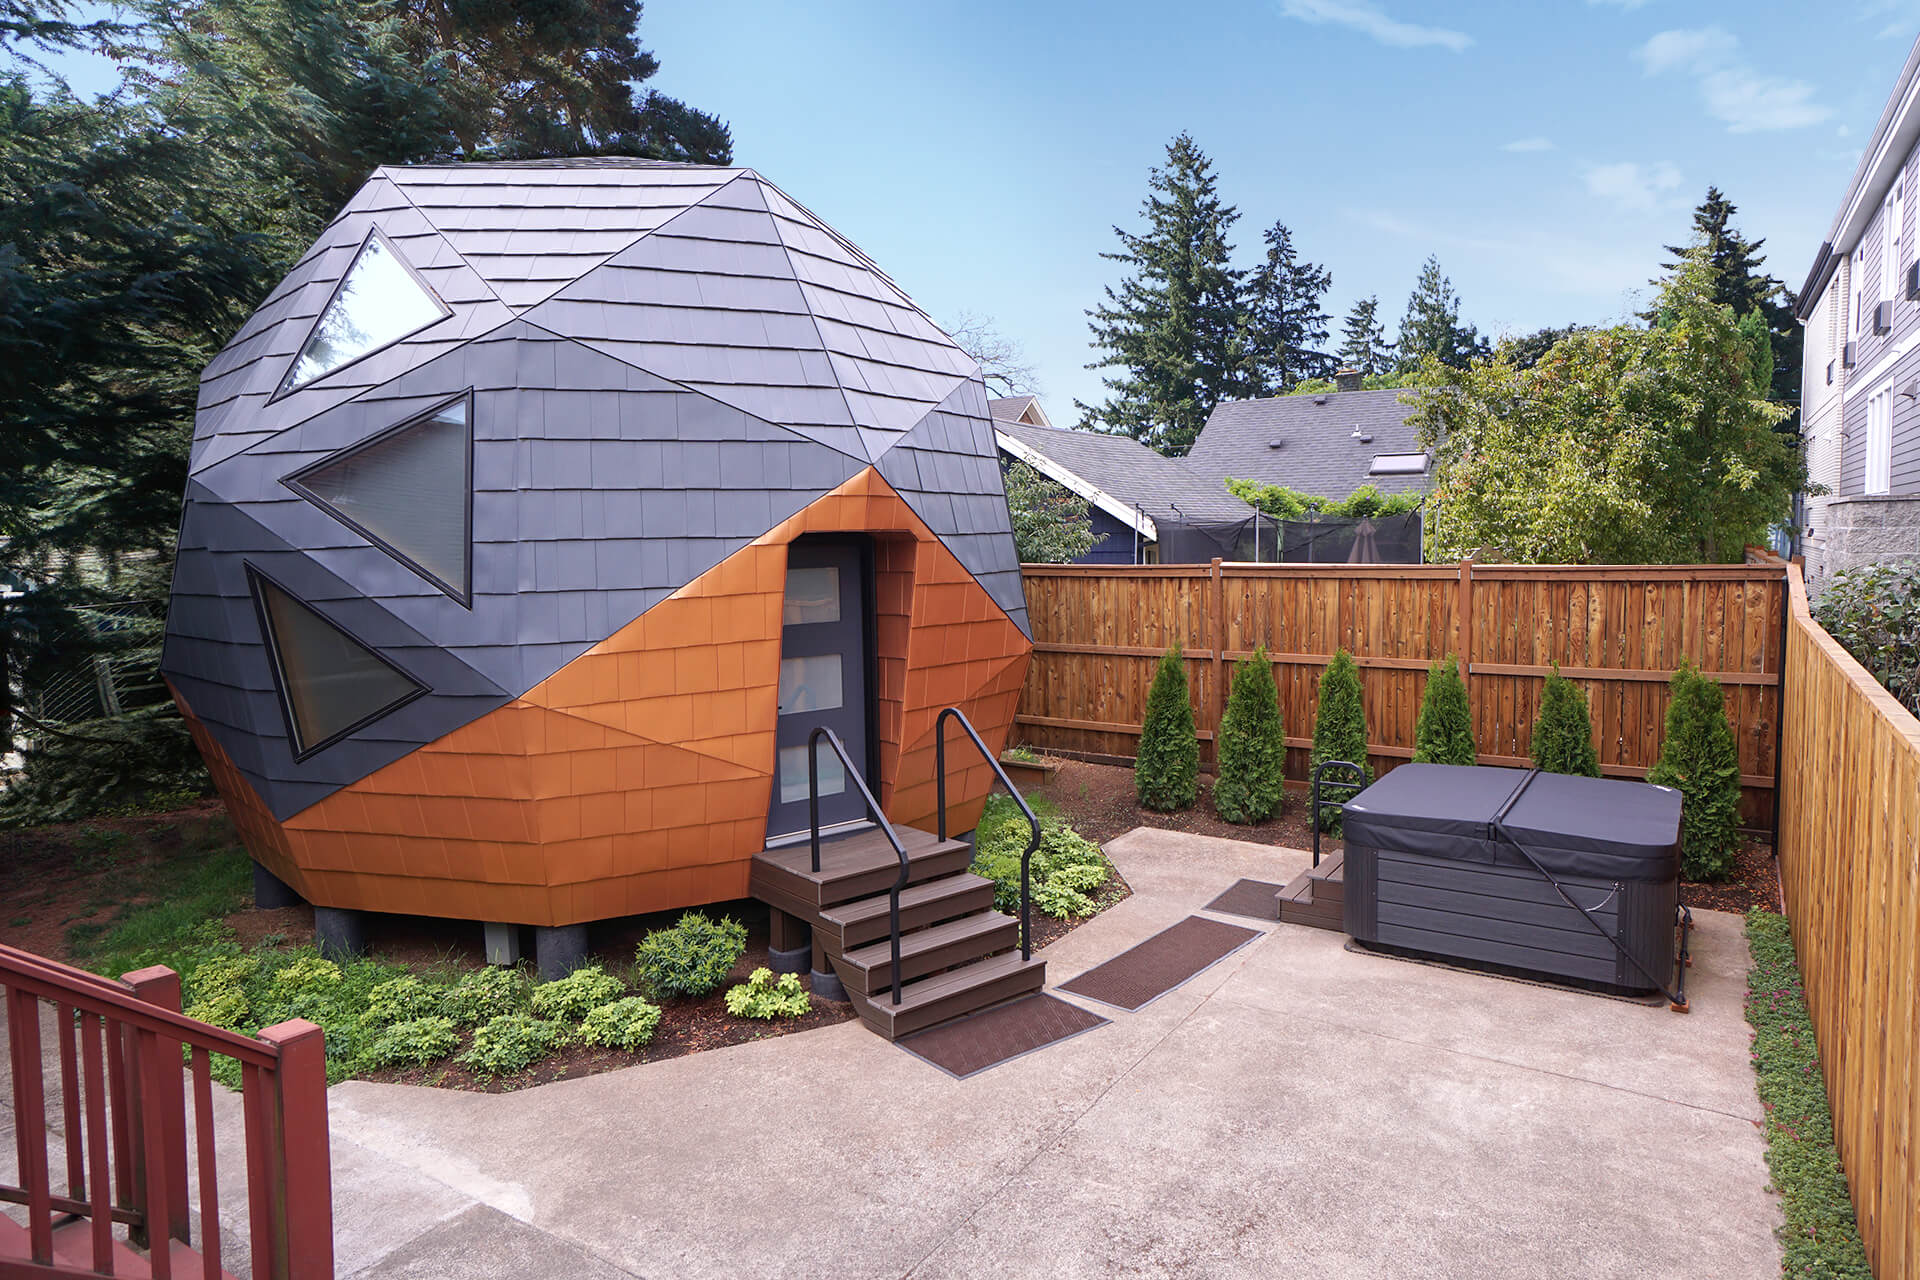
1098	800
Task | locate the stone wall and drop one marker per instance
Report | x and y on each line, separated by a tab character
1862	531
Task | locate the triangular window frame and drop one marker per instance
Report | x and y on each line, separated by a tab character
288	386
296	481
258	580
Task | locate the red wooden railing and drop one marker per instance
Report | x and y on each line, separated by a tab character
123	1132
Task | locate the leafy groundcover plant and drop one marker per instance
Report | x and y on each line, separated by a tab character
1820	1236
1066	871
760	996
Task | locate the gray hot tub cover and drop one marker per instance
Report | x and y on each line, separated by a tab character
1602	828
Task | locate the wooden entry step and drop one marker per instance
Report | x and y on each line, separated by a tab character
1316	897
957	954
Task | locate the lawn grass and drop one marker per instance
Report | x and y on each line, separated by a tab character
1820	1237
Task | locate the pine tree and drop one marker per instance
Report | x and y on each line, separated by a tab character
1431	326
1443	734
1563	735
1251	784
1740	282
1698	758
1166	775
1363	340
1340	725
1175	326
1286	328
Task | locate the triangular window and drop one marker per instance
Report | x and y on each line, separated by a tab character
330	684
380	301
409	491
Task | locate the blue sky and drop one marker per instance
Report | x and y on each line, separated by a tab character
1544	149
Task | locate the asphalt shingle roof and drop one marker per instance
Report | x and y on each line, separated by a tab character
1133	473
1316	450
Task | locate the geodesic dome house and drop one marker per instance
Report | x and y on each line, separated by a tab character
542	510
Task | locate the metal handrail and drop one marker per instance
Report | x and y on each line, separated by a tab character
879	818
1357	782
1033	842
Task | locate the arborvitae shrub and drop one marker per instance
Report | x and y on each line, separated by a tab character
1698	758
1444	732
1340	726
1253	745
1166	774
1563	735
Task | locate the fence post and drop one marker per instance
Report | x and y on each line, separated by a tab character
160	1086
1219	627
303	1174
1463	625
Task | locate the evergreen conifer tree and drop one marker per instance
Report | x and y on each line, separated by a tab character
1251	783
1563	735
1286	327
1166	775
1431	326
1363	339
1698	758
1175	327
1740	281
1444	732
1340	725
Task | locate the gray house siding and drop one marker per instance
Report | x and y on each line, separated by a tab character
1865	379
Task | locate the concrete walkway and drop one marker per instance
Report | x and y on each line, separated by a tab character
1296	1110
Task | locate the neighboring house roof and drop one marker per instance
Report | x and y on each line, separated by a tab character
1886	153
1325	445
1018	409
1123	477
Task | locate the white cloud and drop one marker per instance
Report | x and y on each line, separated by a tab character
1735	93
1635	188
1365	17
1528	144
1899	17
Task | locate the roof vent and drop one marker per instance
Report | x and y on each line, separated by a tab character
1364	437
1319	399
1275	444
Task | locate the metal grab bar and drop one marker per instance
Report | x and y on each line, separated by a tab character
1357	782
940	796
879	818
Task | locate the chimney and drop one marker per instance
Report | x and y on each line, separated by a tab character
1347	380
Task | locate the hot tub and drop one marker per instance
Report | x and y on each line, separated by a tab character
1495	866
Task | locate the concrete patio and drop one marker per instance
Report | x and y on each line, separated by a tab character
1297	1109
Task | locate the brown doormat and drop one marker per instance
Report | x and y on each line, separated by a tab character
1256	898
967	1046
1145	972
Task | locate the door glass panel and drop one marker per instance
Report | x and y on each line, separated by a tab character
793	774
810	684
813	595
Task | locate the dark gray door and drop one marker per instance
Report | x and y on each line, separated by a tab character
823	681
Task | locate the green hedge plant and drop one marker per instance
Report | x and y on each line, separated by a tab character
1874	611
412	1043
1698	758
1444	732
511	1043
485	994
692	958
627	1023
1066	870
1563	735
1166	774
763	996
1251	783
573	997
400	1000
1340	725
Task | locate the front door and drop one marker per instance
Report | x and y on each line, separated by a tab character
823	681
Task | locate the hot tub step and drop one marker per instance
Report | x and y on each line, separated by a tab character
1316	897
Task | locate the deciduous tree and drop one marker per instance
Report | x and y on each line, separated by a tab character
1051	523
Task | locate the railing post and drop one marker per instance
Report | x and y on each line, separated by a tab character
161	1089
302	1192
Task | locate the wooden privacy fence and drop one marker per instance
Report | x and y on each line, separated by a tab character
1849	849
1619	631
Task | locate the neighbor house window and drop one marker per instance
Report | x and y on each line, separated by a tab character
409	490
1880	442
379	302
1890	239
330	684
1398	464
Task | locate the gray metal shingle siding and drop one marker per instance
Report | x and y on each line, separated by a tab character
665	363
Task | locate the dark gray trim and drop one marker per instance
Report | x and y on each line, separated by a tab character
302	751
295	481
287	386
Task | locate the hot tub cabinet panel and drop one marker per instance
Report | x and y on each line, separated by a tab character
1427	870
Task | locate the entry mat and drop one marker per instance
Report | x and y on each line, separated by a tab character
1145	972
1256	898
969	1045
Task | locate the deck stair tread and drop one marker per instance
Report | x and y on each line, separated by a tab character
73	1249
854	866
951	994
1316	897
936	947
